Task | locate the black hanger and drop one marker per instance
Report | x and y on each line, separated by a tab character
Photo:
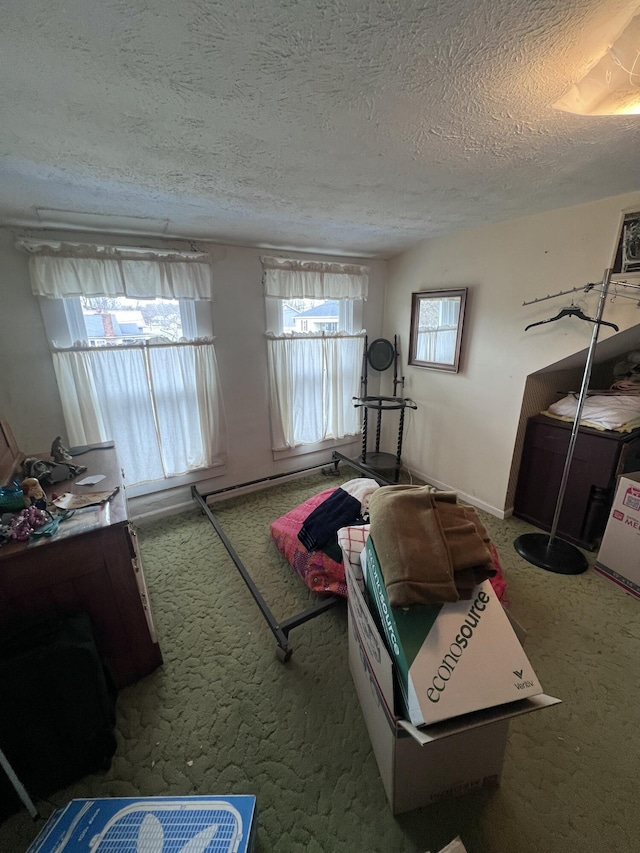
572	312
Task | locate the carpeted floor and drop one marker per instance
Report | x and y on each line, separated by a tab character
223	715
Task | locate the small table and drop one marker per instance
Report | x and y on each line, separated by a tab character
378	461
91	564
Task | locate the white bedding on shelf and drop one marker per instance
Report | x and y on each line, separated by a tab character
617	412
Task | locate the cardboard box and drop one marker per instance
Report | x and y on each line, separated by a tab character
619	554
152	823
420	766
450	659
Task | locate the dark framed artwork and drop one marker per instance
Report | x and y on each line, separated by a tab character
437	318
631	244
627	258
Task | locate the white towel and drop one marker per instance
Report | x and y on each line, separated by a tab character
361	488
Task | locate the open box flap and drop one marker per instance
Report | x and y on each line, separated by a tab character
438	731
378	662
450	658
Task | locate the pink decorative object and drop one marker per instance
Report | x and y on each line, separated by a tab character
498	583
318	571
25	522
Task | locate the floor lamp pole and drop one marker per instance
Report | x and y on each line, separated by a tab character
18	786
549	552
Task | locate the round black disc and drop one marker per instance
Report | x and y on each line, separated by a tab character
553	555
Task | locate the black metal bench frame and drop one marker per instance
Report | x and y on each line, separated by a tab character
280	628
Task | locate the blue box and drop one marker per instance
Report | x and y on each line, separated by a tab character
211	824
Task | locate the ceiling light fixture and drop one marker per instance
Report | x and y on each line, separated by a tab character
612	87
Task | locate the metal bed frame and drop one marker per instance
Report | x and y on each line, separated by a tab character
280	628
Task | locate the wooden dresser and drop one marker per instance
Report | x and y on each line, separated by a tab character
599	458
91	564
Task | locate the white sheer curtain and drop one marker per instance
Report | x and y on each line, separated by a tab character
439	343
313	378
160	402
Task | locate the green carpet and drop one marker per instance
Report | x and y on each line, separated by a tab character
223	715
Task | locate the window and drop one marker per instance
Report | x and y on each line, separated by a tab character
111	321
314	351
130	356
317	315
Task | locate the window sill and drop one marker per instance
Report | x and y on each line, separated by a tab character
306	449
140	489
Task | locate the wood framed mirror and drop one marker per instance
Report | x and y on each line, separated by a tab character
381	354
437	318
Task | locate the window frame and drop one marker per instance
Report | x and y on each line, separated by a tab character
441	297
350	316
350	313
64	325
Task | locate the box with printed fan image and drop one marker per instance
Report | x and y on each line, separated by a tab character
226	824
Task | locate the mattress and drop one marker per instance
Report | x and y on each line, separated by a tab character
320	572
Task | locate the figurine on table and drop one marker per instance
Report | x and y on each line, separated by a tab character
33	493
59	452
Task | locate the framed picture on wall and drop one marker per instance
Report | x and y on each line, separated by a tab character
627	258
631	244
437	317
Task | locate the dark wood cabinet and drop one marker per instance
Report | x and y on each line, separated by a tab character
599	457
93	565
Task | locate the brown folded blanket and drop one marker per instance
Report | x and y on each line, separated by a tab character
430	548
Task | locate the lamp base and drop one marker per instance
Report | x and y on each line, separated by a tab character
552	555
380	461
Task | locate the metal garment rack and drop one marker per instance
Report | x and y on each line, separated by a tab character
547	551
280	628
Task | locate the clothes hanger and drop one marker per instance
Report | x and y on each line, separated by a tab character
572	312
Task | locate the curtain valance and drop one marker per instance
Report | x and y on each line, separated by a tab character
64	270
286	278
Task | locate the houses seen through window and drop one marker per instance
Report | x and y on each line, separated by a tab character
110	321
310	315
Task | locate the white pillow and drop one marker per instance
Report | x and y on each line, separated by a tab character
606	412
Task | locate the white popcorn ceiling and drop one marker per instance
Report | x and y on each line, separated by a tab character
345	126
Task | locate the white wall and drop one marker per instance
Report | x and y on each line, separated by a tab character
462	436
29	399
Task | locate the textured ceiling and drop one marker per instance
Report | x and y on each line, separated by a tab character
346	126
